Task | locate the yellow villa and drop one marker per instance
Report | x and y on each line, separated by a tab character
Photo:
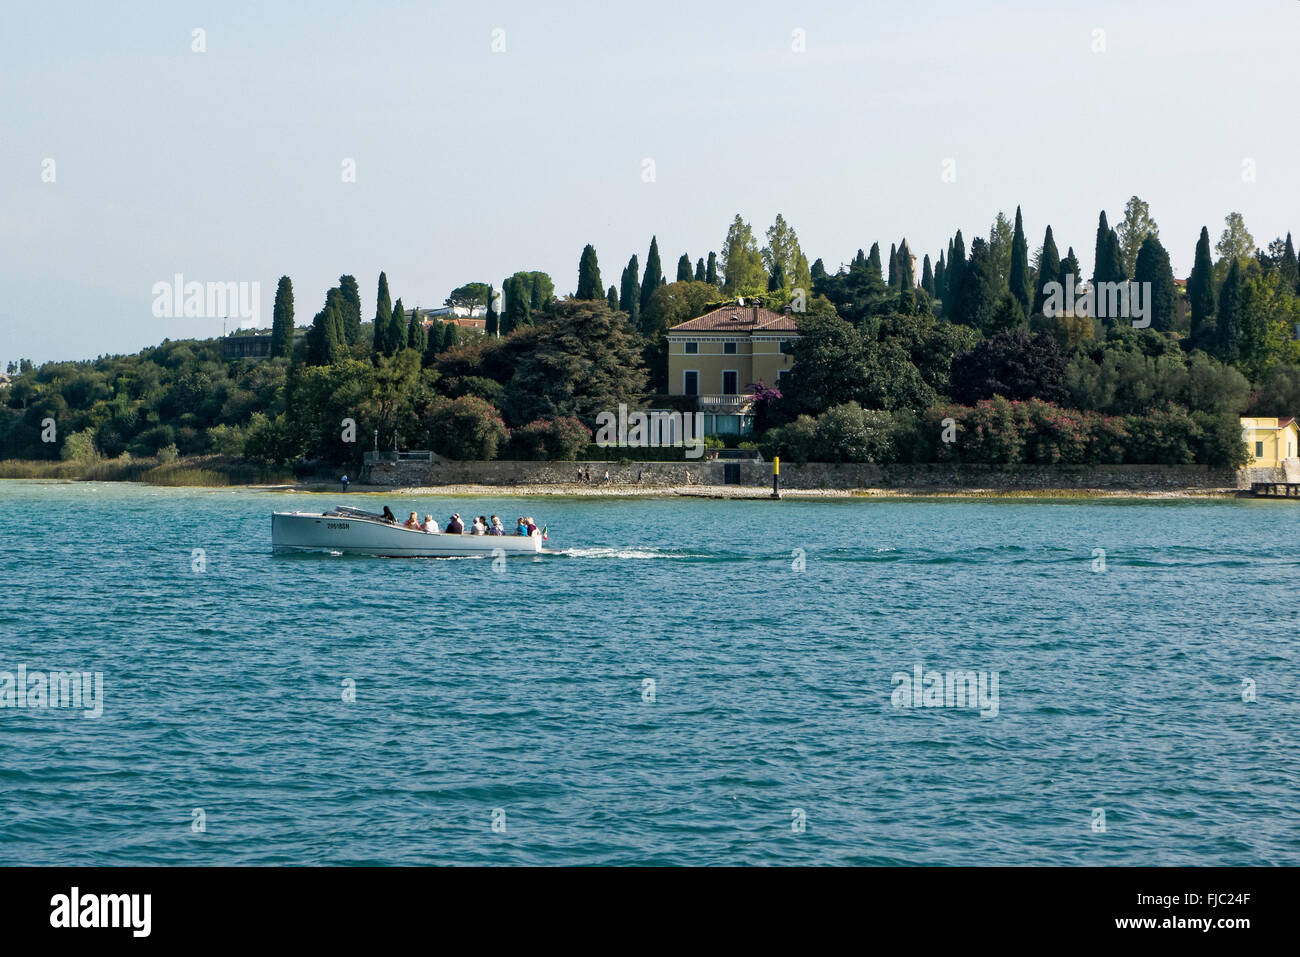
717	355
1270	442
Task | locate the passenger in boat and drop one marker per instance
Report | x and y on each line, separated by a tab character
388	516
455	526
479	527
413	521
430	525
532	527
523	527
496	528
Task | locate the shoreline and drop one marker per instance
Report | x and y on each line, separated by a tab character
748	493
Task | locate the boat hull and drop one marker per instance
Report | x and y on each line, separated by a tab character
314	532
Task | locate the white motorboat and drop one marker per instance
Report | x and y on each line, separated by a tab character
354	531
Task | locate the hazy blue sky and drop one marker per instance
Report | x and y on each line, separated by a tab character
226	165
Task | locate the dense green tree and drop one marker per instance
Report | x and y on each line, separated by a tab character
873	260
282	319
957	266
432	343
673	304
1069	276
1200	294
1001	235
684	268
700	272
1049	271
352	308
1013	364
612	298
981	290
1018	274
589	284
518	292
1236	242
927	276
941	278
776	282
492	321
629	299
892	281
401	328
1133	231
1101	254
584	360
654	273
383	343
742	264
906	280
1289	268
818	271
1152	266
783	250
711	269
417	337
1228	331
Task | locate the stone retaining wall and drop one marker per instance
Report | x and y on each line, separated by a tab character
1141	478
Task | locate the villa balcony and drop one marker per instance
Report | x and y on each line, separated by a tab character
727	404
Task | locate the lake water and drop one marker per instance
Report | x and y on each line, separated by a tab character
505	717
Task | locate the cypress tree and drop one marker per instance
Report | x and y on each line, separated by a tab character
927	276
1228	332
906	280
416	335
282	319
699	270
893	267
399	329
450	336
1289	268
629	298
384	319
1101	258
1049	271
352	308
1019	274
518	296
953	307
873	260
711	270
776	282
980	288
941	278
818	270
612	298
1068	277
1153	266
653	273
589	284
684	268
433	342
492	322
1200	293
859	261
1115	267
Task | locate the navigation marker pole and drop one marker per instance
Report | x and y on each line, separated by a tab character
776	476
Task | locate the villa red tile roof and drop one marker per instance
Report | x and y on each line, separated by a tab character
739	319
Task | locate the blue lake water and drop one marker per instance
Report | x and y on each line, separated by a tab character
520	697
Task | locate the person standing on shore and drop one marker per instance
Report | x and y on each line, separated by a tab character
344	480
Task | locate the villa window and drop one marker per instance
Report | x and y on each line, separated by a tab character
728	348
729	382
690	383
1259	450
692	348
786	347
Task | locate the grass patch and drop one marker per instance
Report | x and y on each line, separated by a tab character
199	471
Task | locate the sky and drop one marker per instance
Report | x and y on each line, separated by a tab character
492	137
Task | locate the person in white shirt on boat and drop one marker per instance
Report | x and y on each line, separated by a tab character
430	525
479	527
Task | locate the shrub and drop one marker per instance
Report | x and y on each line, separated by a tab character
795	441
555	440
168	453
465	428
79	447
227	439
850	433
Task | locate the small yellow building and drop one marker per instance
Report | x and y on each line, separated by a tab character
717	355
1270	442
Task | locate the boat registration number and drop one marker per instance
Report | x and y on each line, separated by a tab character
337	525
